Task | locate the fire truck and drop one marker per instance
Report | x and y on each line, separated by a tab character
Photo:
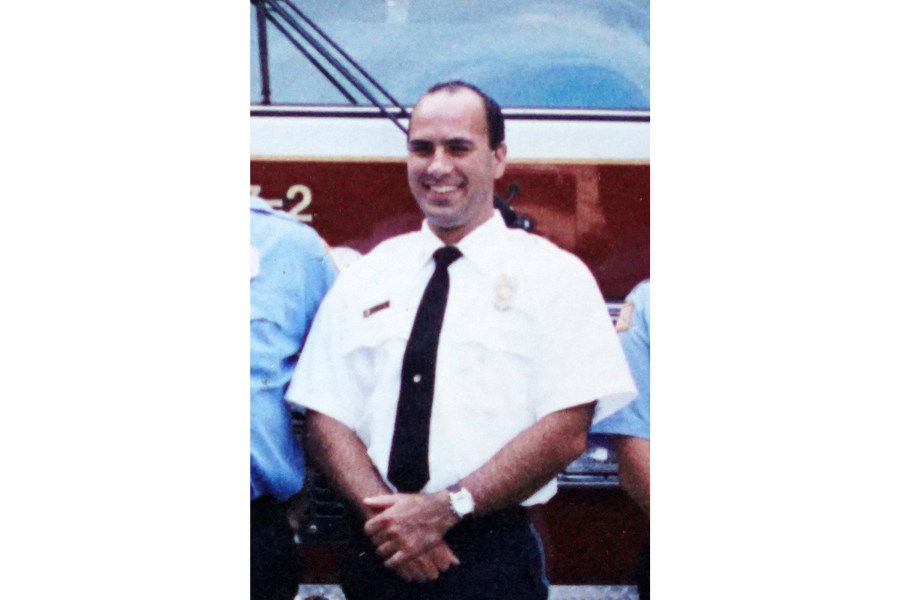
332	82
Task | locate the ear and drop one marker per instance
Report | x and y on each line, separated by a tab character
499	160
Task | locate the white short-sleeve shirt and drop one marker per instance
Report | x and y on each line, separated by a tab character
526	333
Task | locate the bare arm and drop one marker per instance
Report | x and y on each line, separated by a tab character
518	470
634	468
531	459
342	457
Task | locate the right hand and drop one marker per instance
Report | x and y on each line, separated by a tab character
427	566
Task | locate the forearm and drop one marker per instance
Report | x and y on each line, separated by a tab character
409	524
634	468
342	458
530	460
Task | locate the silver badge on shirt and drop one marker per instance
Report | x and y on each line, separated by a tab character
505	288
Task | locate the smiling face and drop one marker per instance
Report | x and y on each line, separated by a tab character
450	166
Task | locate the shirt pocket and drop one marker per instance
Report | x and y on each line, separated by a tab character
491	357
374	346
265	306
278	308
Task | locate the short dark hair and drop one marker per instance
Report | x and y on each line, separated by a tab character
496	128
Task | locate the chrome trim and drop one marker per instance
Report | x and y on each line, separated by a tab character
551	114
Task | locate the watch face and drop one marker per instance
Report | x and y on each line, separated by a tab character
462	502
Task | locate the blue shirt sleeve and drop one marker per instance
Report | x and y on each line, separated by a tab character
292	276
634	419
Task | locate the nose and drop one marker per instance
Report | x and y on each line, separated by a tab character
440	163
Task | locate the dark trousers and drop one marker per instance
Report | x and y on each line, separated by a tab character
643	572
274	561
500	555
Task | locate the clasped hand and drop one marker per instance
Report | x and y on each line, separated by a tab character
407	531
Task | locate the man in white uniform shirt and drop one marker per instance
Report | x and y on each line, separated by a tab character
527	360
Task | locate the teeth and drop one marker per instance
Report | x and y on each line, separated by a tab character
443	188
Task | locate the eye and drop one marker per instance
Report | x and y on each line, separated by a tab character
420	148
457	149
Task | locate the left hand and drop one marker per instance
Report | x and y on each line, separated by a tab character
407	524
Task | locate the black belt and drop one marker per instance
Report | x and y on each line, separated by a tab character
466	530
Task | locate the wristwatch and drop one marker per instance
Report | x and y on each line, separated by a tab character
461	502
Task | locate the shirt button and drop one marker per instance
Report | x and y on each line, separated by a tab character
417	378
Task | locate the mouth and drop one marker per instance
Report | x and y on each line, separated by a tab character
442	189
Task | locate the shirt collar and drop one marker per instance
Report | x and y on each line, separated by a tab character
478	246
257	203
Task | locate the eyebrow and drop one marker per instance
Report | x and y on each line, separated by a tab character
457	141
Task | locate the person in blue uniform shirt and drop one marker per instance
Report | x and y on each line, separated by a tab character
630	427
290	271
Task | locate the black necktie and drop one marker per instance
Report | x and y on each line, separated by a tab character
408	465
